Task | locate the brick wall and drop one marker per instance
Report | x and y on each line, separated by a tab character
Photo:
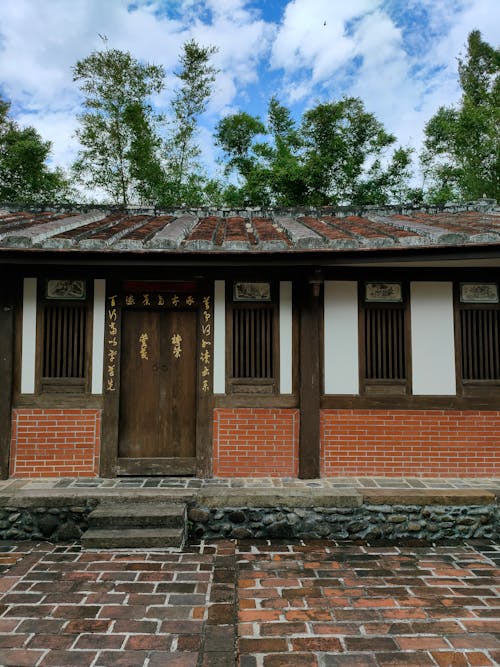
55	443
416	443
256	442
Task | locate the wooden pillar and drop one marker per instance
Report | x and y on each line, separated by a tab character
310	379
6	375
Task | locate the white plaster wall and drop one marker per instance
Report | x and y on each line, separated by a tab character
28	347
220	337
98	335
432	339
286	332
341	354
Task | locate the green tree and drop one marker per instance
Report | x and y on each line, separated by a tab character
461	156
197	76
287	173
345	155
25	177
337	155
236	135
118	129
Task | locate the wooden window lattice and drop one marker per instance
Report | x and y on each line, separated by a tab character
385	343
480	343
64	341
253	341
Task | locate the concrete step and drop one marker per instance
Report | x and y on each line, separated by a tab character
131	538
138	515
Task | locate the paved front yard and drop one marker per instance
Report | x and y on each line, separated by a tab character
273	605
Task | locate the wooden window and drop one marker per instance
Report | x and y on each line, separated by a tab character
252	350
384	339
478	343
64	345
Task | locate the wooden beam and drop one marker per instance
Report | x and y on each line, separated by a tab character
310	380
7	297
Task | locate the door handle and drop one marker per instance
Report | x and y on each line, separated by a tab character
164	367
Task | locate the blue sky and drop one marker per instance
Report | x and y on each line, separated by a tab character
399	56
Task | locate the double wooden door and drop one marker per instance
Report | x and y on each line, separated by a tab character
157	422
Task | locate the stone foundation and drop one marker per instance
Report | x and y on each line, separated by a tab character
368	522
53	523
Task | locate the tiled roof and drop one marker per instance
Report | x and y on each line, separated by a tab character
251	231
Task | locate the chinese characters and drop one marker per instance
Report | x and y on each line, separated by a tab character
205	355
112	343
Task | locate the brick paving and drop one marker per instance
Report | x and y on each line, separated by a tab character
218	604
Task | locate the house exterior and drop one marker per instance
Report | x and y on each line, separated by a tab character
250	343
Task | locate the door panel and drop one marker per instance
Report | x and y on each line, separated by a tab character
157	393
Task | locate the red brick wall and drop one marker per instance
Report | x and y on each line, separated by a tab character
256	442
55	443
416	443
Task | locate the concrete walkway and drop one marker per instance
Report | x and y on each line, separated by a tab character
265	492
276	483
313	604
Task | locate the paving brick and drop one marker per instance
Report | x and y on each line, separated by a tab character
348	661
370	644
20	657
290	660
306	604
148	642
247	645
406	659
162	659
121	659
66	658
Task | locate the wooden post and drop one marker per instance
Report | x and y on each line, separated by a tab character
6	375
111	385
309	389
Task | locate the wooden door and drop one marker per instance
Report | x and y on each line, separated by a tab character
157	423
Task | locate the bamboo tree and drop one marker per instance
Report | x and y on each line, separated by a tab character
117	120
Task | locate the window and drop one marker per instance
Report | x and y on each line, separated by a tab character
384	338
252	331
478	326
64	337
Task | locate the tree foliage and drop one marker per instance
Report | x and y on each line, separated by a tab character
118	129
461	156
190	100
25	177
337	155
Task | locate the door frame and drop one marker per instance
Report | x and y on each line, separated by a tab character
190	294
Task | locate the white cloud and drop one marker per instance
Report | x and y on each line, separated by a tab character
312	35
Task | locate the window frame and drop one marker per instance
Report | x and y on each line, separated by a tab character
378	387
64	386
470	387
253	386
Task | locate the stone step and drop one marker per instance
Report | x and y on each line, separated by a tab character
131	538
138	515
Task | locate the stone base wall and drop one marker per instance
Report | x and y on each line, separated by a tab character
368	523
256	442
54	523
55	443
410	443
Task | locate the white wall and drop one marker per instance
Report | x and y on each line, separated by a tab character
432	339
285	338
98	335
220	337
341	337
28	350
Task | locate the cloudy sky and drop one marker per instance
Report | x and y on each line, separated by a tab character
399	56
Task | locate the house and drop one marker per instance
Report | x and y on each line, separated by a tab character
250	343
